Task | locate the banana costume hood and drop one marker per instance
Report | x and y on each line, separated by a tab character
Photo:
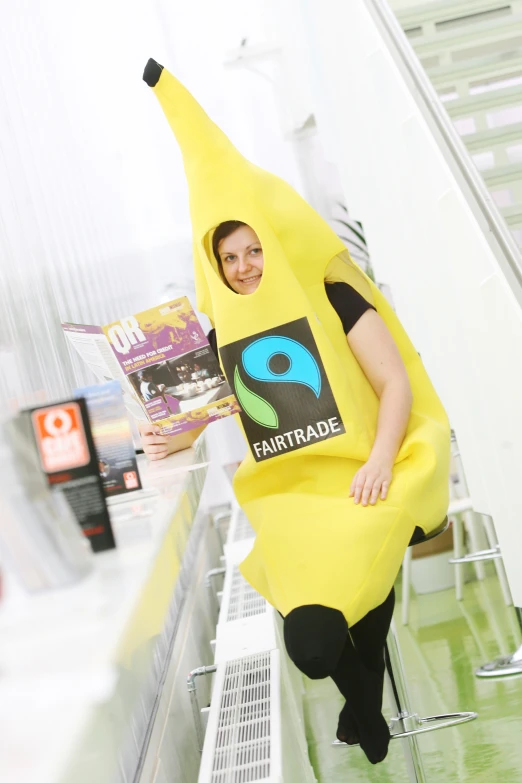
308	412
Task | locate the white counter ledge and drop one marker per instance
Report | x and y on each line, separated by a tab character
80	667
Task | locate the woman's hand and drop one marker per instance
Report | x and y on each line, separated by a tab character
371	482
155	445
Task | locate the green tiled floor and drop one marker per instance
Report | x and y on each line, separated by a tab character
445	641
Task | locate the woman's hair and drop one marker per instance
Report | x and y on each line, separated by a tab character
222	232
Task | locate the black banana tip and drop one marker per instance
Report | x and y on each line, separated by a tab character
152	72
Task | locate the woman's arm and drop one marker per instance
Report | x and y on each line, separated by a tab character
375	350
157	446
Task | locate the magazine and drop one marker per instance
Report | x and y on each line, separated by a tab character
112	436
165	365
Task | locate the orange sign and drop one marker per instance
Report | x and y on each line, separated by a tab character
131	479
61	437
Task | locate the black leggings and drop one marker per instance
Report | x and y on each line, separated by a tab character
320	644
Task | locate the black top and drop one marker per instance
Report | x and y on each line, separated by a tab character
345	300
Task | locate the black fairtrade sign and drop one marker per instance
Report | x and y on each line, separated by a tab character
280	382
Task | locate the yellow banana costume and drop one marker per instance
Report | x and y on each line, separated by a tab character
309	413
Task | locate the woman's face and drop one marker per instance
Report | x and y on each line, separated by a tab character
242	260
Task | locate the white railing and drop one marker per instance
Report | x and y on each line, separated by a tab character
472	53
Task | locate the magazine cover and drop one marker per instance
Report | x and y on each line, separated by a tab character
112	435
165	355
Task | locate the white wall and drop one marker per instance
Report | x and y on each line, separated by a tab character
94	216
430	239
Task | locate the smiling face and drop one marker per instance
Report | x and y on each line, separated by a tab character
241	257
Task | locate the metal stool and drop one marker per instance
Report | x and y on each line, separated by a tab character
407	724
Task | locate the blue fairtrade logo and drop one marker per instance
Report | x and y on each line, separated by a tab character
258	362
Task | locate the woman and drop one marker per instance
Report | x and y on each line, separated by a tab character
349	444
239	255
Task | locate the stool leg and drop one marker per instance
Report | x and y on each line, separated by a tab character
458	547
470	522
406	585
401	702
499	564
